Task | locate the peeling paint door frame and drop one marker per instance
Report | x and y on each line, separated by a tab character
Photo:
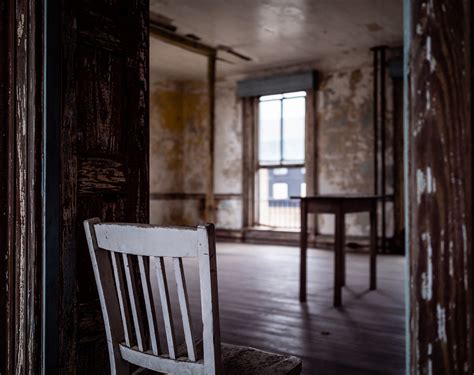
438	130
20	194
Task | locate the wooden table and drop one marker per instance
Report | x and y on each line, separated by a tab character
339	205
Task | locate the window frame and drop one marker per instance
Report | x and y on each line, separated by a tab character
249	113
281	164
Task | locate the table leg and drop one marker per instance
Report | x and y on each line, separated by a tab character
339	258
303	247
373	247
343	250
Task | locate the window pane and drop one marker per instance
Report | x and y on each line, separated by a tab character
293	130
269	131
280	190
275	208
280	171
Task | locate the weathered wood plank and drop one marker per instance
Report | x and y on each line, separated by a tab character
101	174
439	140
104	153
21	67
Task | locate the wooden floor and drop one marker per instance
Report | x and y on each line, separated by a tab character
259	307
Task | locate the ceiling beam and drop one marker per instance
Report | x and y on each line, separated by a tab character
158	30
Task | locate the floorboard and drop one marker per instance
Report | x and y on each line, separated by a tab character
259	307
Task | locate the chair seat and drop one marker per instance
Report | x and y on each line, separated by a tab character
238	360
243	360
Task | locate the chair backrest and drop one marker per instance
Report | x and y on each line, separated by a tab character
122	255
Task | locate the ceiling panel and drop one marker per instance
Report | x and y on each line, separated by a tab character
285	32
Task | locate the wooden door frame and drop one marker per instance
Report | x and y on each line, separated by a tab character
438	162
21	63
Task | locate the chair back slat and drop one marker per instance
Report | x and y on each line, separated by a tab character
118	285
166	306
209	300
145	240
184	308
148	307
132	285
133	305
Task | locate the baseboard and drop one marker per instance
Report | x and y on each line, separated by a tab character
283	238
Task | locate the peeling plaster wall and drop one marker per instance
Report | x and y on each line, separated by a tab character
166	132
228	160
195	109
345	139
345	142
179	158
228	145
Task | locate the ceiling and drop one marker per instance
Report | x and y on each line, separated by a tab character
275	33
175	63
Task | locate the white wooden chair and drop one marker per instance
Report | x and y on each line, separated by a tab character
119	250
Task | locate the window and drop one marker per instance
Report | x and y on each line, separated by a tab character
281	159
281	129
280	190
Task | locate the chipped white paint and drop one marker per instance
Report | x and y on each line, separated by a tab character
430	9
429	55
428	48
22	192
419	29
420	184
428	96
20	29
430	185
425	183
465	255
430	361
427	277
418	127
441	318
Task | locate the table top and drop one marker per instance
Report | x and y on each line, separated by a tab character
345	197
